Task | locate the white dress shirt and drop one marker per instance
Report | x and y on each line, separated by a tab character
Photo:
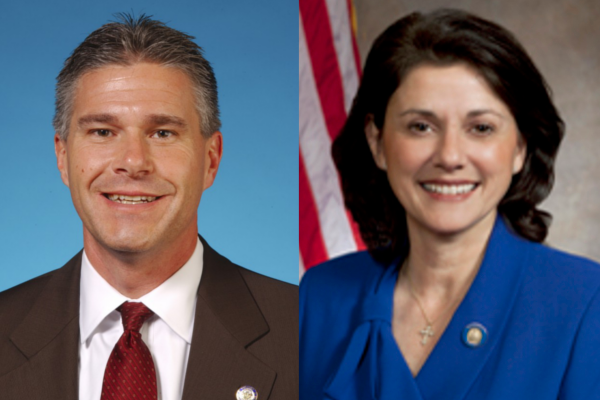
168	333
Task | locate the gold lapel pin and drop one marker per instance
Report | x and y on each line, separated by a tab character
246	393
474	335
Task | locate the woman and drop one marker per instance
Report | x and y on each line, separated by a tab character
447	151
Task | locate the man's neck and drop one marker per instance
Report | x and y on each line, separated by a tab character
135	274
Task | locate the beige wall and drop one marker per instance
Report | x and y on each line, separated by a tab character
563	38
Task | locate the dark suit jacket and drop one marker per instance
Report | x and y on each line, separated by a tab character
245	333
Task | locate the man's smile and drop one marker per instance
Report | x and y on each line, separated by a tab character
124	199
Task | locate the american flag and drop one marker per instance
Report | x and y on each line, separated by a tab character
329	76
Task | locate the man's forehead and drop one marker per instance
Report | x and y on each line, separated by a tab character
160	94
143	72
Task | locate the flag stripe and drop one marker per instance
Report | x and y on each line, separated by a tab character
342	41
329	75
319	41
310	227
352	16
311	240
315	145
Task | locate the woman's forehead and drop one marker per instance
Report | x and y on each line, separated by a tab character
446	88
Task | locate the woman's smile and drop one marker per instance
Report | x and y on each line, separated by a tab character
449	190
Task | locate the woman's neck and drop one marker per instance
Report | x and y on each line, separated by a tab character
442	267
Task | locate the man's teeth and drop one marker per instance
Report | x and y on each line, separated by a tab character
119	198
449	189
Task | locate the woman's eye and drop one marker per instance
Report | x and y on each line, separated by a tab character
419	127
483	129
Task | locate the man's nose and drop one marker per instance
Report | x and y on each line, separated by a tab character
450	154
133	156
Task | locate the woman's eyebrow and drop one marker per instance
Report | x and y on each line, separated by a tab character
477	113
470	114
424	113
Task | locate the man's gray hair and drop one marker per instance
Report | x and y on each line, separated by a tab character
130	41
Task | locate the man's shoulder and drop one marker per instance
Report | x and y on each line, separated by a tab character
277	300
26	289
270	294
269	287
18	300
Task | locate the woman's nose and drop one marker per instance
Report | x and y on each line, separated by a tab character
450	154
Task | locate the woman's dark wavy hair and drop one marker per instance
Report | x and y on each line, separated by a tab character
447	37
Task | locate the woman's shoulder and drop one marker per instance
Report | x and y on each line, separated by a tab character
562	274
561	297
549	259
340	283
346	272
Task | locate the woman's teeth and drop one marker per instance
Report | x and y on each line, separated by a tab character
449	189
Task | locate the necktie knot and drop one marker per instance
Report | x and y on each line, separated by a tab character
134	315
130	372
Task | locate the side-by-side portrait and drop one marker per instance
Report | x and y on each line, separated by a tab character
435	239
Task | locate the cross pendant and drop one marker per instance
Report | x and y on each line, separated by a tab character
426	334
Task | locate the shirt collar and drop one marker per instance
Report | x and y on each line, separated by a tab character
174	301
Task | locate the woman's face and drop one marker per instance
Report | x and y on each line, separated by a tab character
450	147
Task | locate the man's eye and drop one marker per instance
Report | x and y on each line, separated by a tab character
162	134
102	132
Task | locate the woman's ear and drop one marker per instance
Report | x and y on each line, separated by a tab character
520	155
375	142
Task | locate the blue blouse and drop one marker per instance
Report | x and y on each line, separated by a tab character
538	309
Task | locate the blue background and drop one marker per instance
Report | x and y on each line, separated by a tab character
250	214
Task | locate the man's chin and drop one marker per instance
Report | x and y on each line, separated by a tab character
126	244
123	241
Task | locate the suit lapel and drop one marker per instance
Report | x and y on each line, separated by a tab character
227	322
489	302
48	337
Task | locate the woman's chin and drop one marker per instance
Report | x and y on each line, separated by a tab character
456	225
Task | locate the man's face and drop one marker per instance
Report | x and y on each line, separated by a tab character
135	160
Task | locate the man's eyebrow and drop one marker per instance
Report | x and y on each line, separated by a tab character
165	119
97	118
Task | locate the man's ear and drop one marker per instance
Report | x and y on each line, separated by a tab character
374	139
60	149
214	153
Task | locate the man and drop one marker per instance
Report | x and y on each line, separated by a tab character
147	309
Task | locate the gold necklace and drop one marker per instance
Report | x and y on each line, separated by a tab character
426	332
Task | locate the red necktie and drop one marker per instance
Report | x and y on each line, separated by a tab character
130	373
